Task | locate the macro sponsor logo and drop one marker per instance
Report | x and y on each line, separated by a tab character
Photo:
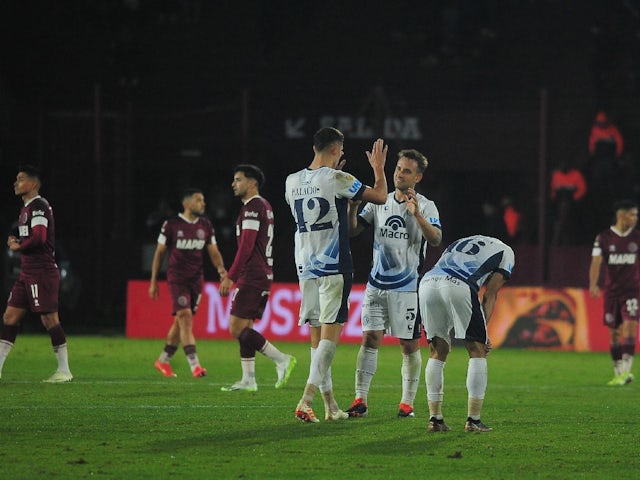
394	227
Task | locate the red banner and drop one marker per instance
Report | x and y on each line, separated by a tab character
151	319
524	317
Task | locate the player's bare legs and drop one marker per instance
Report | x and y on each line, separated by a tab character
184	320
163	364
252	341
366	367
476	384
622	348
434	375
331	408
411	368
320	364
51	322
11	320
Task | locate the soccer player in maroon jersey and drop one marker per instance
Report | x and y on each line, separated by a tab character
185	236
617	247
252	272
37	287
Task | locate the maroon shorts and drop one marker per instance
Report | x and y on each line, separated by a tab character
619	309
185	296
249	302
38	293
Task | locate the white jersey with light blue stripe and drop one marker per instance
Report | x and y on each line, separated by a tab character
473	259
318	200
397	242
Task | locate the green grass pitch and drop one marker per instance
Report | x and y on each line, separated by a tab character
552	414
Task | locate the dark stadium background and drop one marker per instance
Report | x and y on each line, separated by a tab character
123	103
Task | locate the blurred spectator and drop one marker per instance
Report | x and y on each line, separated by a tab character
513	221
568	187
605	147
605	139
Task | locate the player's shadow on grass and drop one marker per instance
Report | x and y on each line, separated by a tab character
379	437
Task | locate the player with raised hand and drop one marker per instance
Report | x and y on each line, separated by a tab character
318	197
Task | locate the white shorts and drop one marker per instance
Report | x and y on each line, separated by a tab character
325	299
394	312
448	303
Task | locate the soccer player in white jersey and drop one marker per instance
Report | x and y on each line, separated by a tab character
449	299
319	199
400	227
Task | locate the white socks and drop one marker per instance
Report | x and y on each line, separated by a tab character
411	368
321	362
248	370
62	357
5	348
273	353
434	375
366	366
477	377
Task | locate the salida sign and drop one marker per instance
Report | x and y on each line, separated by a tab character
394	128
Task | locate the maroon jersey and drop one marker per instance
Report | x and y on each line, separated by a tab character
37	233
253	265
186	240
620	259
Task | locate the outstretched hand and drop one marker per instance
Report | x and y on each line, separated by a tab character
378	154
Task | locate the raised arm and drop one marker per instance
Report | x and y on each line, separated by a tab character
377	159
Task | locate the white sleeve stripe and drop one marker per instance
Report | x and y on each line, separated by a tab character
213	239
250	225
162	239
39	221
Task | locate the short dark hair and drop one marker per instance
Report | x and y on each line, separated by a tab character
327	136
188	193
31	171
624	205
415	155
251	171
